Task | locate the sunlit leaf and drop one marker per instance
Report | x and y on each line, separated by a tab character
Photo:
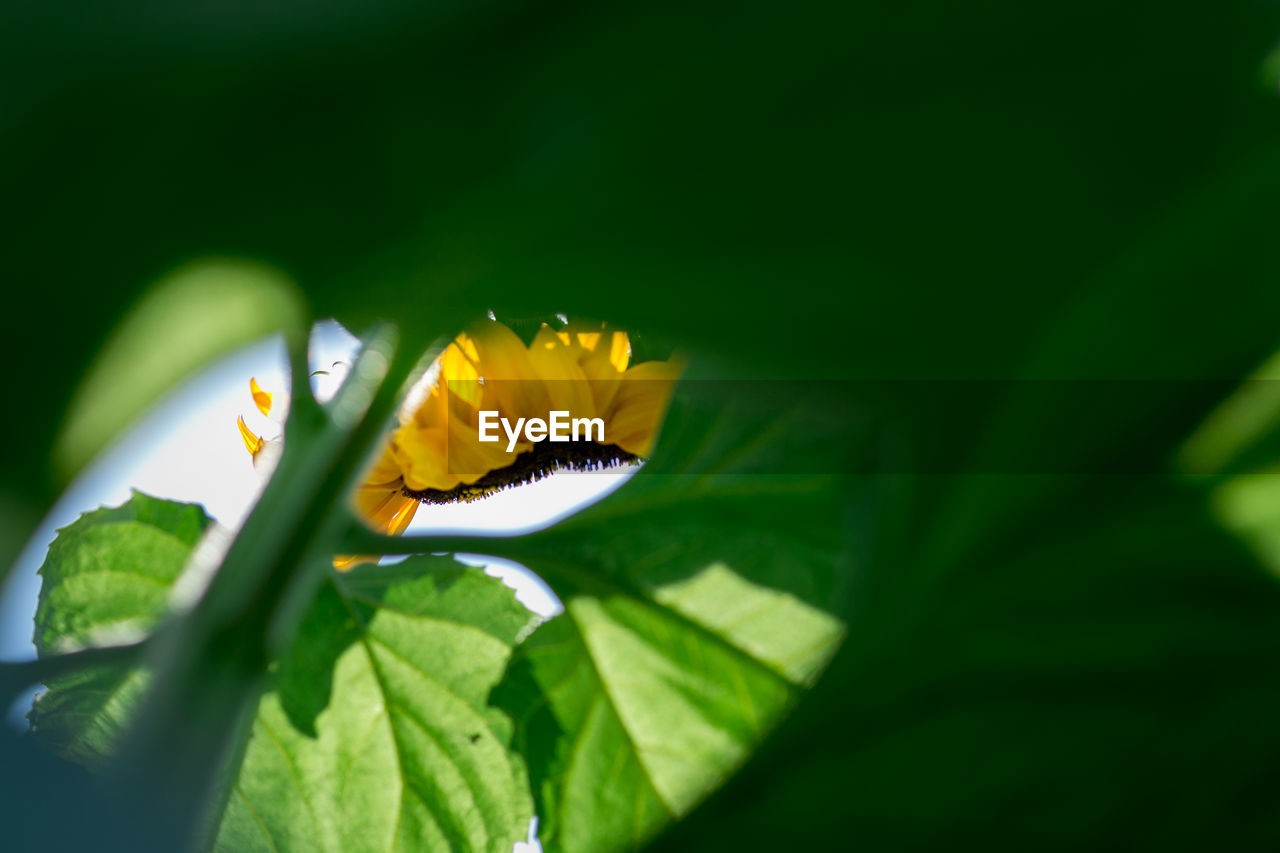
698	606
390	674
106	579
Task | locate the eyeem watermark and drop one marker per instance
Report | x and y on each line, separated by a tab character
560	428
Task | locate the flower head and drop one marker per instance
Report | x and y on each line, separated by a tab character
580	371
437	453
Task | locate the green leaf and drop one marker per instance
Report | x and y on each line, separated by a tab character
110	571
83	713
106	577
377	731
630	712
378	736
698	607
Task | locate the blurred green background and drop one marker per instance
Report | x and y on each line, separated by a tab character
874	191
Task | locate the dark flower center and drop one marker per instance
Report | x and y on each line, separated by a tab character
544	459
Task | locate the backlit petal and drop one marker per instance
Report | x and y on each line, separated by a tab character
261	399
252	442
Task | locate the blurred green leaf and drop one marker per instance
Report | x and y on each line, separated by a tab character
405	754
191	317
1235	450
82	713
1102	677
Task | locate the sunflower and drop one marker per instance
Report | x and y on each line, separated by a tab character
437	454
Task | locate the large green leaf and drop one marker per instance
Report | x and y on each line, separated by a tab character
405	754
698	606
633	707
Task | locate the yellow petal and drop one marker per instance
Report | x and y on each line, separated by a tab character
386	472
587	340
423	457
467	346
261	399
252	442
386	510
470	458
620	351
601	367
557	366
640	405
508	375
458	371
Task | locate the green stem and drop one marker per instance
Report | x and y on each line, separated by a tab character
186	741
301	402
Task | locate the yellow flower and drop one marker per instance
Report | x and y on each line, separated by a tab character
436	455
579	370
